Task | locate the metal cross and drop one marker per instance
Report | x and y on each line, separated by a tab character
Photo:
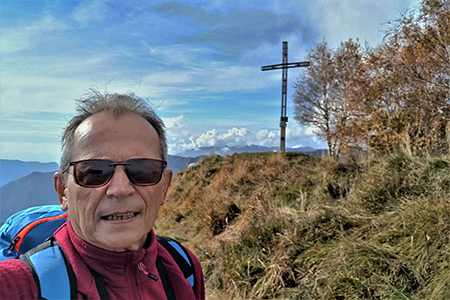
284	66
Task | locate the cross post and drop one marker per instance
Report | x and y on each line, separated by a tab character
284	66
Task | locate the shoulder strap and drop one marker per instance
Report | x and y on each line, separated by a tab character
167	284
51	270
181	257
55	278
100	284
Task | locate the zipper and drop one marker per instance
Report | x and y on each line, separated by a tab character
13	243
18	239
143	269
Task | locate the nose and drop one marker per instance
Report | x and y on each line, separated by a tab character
120	186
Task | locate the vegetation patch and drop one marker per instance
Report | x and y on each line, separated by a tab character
266	226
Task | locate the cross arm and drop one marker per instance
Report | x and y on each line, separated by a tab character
288	65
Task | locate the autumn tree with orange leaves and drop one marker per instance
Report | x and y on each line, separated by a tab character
396	95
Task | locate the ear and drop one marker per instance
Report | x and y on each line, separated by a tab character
166	180
60	188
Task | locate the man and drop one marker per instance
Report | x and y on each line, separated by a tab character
113	181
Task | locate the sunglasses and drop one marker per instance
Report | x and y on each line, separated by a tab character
91	173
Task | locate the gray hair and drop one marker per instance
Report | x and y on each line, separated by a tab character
117	105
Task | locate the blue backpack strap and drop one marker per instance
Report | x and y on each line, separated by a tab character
181	257
55	278
51	270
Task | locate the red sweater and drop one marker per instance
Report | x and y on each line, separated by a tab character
120	271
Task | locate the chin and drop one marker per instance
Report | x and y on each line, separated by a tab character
124	243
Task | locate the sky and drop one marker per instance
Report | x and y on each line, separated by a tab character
197	62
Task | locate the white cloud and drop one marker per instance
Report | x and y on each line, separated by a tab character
266	138
336	20
183	55
211	138
339	20
216	77
49	94
234	78
176	127
207	139
199	70
235	132
236	137
31	151
297	132
14	39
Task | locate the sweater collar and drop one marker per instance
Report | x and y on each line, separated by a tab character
94	256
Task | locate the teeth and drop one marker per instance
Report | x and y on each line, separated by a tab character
120	217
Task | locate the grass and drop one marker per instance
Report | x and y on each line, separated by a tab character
271	226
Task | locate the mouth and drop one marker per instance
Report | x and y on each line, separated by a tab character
120	217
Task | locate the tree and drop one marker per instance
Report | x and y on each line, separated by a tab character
403	88
399	94
319	96
425	59
348	59
375	102
315	95
392	96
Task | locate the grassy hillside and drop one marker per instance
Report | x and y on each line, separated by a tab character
270	226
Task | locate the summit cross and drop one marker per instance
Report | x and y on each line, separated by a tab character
284	66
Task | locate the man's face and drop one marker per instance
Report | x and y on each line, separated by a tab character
118	139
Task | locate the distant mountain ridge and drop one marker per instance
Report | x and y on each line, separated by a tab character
11	170
222	151
31	190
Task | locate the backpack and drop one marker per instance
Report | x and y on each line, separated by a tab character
28	235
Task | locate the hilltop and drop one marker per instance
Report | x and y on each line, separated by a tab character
293	226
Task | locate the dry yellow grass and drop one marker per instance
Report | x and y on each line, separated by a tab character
271	226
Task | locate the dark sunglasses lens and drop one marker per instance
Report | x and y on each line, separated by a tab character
93	172
145	171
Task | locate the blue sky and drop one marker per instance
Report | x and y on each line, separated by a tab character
198	62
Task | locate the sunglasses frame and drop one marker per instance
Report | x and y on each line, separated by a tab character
114	165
